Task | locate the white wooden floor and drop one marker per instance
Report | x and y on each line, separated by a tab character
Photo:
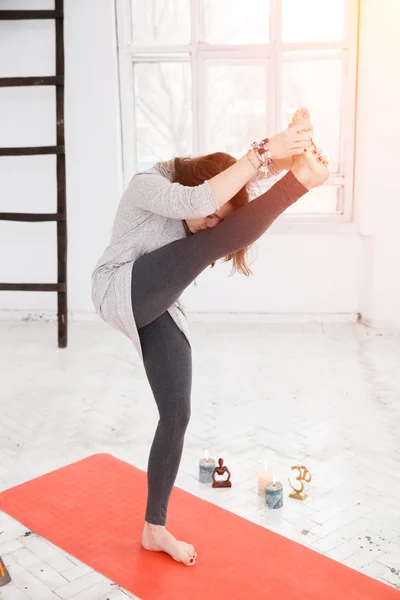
327	396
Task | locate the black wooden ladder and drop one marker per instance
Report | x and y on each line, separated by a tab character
60	217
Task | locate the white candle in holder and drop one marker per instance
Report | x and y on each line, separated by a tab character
264	477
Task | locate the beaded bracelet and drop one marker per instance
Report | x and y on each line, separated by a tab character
264	155
257	167
273	171
267	172
263	151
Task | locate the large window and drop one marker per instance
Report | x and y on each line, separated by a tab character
200	76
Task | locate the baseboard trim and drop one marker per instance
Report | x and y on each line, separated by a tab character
222	317
194	317
46	316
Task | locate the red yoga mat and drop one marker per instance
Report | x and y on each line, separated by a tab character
94	510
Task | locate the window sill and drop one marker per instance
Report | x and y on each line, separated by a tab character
314	225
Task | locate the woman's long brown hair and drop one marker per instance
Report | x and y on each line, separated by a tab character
194	171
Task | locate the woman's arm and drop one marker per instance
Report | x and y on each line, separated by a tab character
153	192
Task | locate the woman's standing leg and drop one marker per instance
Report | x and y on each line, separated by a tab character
168	363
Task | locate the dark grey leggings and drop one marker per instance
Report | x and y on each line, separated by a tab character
158	279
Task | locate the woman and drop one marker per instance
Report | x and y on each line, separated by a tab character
173	222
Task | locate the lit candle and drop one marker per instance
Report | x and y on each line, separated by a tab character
274	494
206	468
264	477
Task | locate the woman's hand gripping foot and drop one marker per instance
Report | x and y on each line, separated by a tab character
157	539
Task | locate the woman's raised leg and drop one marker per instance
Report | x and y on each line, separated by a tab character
160	277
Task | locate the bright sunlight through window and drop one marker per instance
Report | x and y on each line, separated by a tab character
201	76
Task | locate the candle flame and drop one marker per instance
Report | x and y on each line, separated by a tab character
206	454
266	466
273	479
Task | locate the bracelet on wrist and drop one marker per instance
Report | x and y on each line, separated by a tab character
273	171
249	156
263	155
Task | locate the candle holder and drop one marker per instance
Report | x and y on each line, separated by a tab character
206	468
221	470
274	494
304	475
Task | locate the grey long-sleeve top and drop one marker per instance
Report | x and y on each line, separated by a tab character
150	215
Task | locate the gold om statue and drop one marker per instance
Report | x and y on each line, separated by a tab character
304	476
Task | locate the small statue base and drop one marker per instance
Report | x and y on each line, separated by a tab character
298	496
222	484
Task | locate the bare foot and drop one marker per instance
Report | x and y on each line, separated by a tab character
311	167
157	539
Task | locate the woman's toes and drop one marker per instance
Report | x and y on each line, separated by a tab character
322	157
322	153
305	113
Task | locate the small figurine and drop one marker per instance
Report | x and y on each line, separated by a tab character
304	475
220	470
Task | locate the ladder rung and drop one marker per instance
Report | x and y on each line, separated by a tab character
31	217
17	15
32	287
31	150
30	81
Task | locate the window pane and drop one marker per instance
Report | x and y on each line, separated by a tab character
313	20
160	22
324	199
163	111
236	21
316	85
235	105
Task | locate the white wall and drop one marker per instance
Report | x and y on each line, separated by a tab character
377	184
311	271
92	147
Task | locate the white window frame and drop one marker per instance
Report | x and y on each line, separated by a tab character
197	53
